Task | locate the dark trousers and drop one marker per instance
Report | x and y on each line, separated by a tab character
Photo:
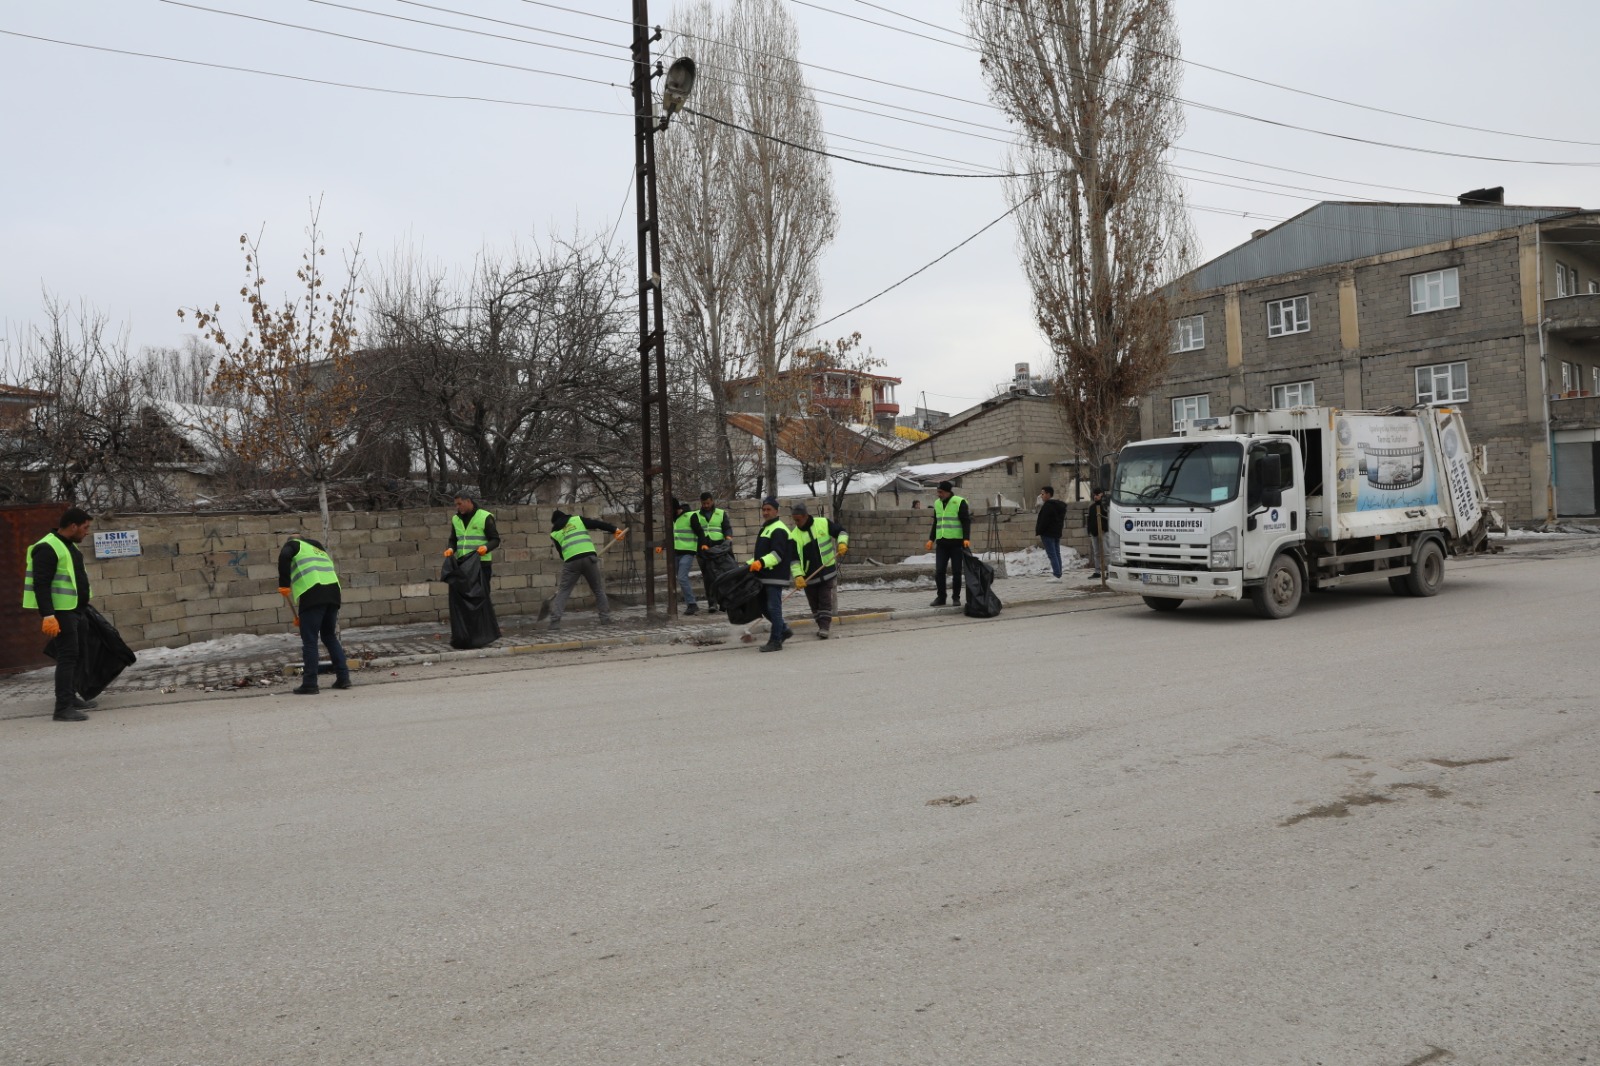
772	609
822	596
949	553
321	622
69	649
1052	551
705	578
586	566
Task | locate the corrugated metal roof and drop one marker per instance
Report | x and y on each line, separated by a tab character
1339	232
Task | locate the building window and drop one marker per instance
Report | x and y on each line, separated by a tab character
1566	280
1297	394
1594	286
1571	377
1185	408
1435	290
1289	316
1442	383
1189	334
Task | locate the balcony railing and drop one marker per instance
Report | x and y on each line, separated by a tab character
1574	318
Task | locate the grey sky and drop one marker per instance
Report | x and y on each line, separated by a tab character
128	181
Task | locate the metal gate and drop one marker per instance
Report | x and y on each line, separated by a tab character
21	643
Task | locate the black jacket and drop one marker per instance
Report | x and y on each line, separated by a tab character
44	572
964	513
559	520
1052	518
1096	517
316	595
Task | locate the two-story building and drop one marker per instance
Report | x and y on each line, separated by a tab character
851	396
1488	307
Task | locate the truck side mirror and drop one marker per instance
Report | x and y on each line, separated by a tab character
1271	480
1104	481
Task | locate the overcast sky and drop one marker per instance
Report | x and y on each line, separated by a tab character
127	181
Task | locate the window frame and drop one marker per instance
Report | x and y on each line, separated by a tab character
1302	388
1183	340
1453	394
1292	304
1566	280
1452	275
1201	400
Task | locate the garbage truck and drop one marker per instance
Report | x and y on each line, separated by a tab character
1269	505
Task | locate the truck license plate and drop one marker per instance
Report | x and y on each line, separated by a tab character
1159	579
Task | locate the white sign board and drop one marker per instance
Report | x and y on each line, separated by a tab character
116	544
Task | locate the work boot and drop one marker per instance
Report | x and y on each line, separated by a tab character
67	714
772	645
342	683
691	609
787	633
712	608
938	602
306	690
822	634
81	704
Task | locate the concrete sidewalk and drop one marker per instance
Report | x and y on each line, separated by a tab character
247	662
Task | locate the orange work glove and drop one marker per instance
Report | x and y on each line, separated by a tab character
705	547
844	546
800	582
448	552
619	534
483	549
285	593
928	546
755	566
51	626
659	550
966	544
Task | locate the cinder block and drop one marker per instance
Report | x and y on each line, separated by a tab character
155	631
417	590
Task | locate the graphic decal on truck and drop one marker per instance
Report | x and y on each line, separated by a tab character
1383	463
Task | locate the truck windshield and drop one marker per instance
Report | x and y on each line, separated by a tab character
1178	473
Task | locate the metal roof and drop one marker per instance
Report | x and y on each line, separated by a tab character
1339	232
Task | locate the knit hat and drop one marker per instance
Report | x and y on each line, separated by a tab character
558	518
799	508
770	501
945	486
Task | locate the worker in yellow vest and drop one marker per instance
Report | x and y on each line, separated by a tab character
684	544
777	563
714	540
820	543
58	587
579	559
951	537
472	529
309	582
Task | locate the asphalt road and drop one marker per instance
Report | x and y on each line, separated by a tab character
1368	834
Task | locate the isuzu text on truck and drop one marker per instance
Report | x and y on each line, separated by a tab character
1268	504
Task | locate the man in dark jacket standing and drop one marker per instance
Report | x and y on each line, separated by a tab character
1094	522
820	543
1049	526
58	586
570	532
952	534
306	577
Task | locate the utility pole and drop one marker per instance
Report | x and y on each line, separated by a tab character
652	329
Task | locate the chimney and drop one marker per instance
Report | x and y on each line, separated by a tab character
1257	233
1496	195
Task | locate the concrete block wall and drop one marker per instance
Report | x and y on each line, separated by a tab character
206	576
889	536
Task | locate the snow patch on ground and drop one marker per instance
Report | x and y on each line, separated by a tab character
1567	531
1029	562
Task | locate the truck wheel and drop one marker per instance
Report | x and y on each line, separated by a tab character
1280	594
1427	572
1162	603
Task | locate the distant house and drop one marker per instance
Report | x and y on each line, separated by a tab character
1017	438
852	396
810	450
16	402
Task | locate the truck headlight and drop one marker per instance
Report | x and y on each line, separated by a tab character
1114	547
1225	550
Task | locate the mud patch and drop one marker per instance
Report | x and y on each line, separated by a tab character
1456	764
1339	809
951	801
1343	755
1434	1054
1431	791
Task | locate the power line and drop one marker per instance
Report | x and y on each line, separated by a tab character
1212	107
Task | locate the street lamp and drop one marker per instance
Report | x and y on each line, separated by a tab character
675	92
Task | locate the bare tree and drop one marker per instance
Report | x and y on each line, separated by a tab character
291	369
701	239
180	374
769	196
522	379
1102	229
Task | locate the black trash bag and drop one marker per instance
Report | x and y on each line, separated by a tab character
978	577
740	592
714	562
472	620
102	658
